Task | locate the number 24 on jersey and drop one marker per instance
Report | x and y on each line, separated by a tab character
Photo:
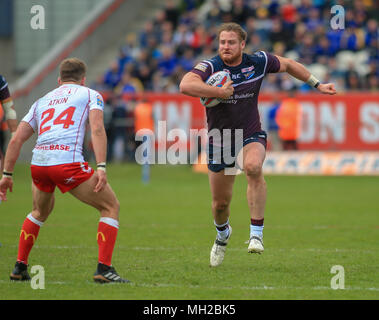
64	118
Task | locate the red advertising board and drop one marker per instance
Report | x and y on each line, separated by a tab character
340	122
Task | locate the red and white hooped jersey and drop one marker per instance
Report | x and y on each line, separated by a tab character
60	118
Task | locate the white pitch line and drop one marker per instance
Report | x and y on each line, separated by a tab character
331	250
248	288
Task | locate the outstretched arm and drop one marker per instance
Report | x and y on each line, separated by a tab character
298	71
23	133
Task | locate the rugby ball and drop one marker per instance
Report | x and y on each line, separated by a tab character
217	79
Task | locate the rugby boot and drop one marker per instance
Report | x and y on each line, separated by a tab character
255	245
20	272
218	250
107	274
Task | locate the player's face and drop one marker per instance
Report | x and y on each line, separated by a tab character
230	48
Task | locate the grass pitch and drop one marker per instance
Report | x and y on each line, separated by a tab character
166	233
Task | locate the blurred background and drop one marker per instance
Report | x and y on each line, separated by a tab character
137	51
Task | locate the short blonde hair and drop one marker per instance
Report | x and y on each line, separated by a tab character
235	27
72	69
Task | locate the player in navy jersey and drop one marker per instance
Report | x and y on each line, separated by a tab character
238	110
10	115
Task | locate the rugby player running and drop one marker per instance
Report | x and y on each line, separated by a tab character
239	110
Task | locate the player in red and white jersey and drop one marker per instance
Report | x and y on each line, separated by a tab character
59	118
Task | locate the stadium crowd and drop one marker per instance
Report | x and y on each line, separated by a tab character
180	34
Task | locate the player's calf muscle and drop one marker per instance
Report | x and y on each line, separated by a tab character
107	203
112	210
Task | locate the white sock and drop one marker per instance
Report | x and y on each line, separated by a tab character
34	220
112	222
222	235
256	231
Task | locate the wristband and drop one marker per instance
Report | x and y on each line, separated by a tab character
101	166
313	81
7	174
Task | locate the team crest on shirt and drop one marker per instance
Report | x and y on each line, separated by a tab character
249	75
248	72
100	101
202	66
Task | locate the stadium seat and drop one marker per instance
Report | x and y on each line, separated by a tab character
344	59
292	55
361	60
318	70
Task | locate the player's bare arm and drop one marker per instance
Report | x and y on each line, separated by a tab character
99	141
298	71
193	85
23	133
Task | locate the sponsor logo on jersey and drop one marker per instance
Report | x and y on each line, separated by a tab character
243	96
60	147
202	66
248	72
244	70
100	101
249	75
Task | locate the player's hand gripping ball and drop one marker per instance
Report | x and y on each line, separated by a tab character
217	79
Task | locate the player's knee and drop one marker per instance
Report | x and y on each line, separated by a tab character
253	169
220	206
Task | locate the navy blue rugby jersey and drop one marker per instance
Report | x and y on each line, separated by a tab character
4	91
240	110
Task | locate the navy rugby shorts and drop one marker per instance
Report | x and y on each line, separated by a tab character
217	154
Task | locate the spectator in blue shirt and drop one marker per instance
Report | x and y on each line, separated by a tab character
112	76
167	63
